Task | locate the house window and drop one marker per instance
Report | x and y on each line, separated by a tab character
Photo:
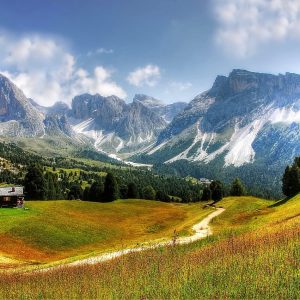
6	199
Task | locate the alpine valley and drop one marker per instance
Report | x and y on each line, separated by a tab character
247	125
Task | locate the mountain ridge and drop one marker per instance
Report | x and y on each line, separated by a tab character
246	120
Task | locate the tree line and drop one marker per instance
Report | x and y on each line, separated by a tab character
43	184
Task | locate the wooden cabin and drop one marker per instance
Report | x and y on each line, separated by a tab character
12	196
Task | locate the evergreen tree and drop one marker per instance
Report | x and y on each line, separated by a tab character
96	191
286	186
186	196
123	191
86	194
206	195
162	196
149	192
50	186
297	161
75	192
217	190
237	188
111	188
34	183
291	180
132	192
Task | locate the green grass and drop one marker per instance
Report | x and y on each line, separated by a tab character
53	230
254	253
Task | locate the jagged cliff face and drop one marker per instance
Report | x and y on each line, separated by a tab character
18	116
115	127
166	111
23	117
244	118
109	122
58	124
106	111
244	121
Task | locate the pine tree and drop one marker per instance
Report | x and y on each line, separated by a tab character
132	192
111	188
50	186
149	192
96	191
217	190
35	184
286	185
291	179
86	194
162	196
206	195
75	192
237	188
186	196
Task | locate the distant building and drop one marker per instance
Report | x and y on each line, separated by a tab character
12	196
205	181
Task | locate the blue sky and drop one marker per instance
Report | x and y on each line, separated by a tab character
172	50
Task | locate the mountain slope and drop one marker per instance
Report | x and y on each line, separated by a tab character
166	111
246	120
115	127
17	115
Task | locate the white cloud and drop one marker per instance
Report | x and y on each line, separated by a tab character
148	75
100	51
244	25
98	82
47	71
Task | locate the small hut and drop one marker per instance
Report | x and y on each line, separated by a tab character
12	196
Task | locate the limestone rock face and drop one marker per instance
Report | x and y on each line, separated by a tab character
18	116
247	120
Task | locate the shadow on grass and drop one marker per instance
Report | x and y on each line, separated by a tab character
280	202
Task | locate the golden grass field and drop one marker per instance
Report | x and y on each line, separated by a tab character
253	254
54	230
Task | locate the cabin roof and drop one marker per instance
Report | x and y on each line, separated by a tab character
12	191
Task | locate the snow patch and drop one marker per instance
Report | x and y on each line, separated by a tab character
285	115
156	148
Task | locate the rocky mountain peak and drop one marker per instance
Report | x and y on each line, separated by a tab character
148	101
58	107
17	114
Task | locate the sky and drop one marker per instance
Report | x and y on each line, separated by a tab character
169	49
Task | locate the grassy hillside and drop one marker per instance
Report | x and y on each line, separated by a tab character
254	253
54	230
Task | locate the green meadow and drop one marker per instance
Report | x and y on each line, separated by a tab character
49	231
253	253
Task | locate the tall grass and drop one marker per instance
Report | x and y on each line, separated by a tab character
253	265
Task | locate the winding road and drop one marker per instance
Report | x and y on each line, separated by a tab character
201	229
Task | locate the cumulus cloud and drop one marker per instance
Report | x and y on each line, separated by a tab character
146	76
47	71
98	81
244	25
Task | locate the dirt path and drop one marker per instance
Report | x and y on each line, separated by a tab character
202	230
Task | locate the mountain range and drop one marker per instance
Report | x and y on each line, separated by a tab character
246	125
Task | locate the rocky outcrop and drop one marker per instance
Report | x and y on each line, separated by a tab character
246	120
166	111
18	116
